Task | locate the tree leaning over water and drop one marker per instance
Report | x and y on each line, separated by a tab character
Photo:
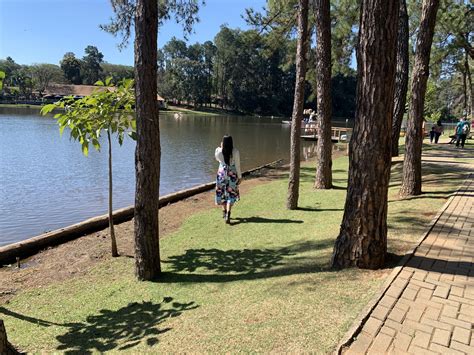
298	105
148	150
323	94
362	240
401	79
411	180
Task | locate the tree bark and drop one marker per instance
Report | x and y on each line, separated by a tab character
362	240
401	78
411	181
470	90
111	219
464	91
5	347
323	93
298	105
148	152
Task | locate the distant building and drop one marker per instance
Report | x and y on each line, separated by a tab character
58	91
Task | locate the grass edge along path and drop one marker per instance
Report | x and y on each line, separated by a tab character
260	285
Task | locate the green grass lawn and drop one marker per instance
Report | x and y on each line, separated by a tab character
262	284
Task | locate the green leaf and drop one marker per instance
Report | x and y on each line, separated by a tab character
85	148
133	135
47	109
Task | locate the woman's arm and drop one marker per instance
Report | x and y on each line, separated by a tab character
218	155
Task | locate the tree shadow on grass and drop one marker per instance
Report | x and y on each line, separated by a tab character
239	220
120	329
246	264
315	209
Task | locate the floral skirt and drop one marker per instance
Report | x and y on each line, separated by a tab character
227	190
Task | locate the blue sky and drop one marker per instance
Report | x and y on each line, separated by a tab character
41	31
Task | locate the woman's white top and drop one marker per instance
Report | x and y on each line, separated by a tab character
234	159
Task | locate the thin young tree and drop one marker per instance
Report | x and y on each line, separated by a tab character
108	109
411	180
298	105
323	94
362	240
148	150
401	79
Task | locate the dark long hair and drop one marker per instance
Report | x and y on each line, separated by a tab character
227	147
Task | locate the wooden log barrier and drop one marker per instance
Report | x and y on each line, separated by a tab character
28	247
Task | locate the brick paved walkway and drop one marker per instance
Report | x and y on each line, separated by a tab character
429	307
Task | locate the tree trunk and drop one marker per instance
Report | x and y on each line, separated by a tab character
401	78
362	240
298	103
464	91
470	90
5	347
111	219
323	94
148	152
411	181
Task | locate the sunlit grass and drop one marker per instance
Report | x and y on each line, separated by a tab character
262	284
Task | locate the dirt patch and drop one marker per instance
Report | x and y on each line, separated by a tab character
77	257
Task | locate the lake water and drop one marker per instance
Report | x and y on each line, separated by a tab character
46	183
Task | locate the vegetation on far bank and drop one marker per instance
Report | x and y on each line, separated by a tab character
266	271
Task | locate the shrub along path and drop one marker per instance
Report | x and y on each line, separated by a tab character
262	284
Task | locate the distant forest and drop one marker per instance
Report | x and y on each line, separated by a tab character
253	71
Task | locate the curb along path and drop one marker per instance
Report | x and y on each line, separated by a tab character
429	306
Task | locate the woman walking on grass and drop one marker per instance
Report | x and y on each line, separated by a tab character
229	176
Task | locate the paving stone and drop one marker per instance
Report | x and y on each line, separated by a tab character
462	347
441	337
416	350
466	309
457	291
450	311
388	301
425	293
372	326
464	317
461	300
432	313
415	313
422	339
360	345
380	344
394	325
422	284
461	335
397	314
402	341
456	322
436	323
419	275
444	350
387	330
380	312
441	292
405	273
410	294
